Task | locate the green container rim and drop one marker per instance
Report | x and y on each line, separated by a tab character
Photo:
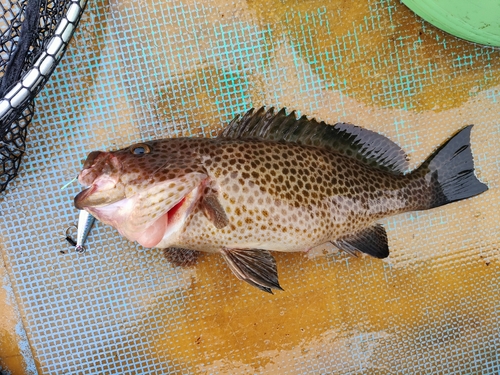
477	21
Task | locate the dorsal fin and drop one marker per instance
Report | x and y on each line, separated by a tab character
350	140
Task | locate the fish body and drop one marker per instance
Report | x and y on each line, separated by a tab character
284	196
270	182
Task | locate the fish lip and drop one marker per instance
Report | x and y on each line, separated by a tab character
80	198
96	196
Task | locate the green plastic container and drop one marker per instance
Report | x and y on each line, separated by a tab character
473	20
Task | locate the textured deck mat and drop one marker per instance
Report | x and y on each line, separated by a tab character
146	69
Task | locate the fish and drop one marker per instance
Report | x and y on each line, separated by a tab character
270	181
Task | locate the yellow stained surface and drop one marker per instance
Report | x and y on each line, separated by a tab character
11	357
442	71
350	296
431	306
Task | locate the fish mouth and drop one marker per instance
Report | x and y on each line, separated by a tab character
101	173
93	196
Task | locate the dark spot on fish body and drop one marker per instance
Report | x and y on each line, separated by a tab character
255	175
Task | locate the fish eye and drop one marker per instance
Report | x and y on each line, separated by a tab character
140	149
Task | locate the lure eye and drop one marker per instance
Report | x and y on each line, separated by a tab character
140	149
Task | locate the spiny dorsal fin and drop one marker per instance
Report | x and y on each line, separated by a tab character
350	140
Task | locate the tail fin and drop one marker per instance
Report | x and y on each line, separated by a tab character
450	171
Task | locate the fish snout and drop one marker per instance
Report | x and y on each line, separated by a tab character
97	164
101	173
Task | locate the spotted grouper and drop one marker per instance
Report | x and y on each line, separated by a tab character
270	182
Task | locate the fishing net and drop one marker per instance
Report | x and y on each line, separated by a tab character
33	37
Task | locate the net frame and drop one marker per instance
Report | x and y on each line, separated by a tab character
34	36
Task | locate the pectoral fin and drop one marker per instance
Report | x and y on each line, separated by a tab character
256	267
214	210
372	241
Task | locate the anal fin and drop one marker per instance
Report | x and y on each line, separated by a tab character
256	267
371	241
214	210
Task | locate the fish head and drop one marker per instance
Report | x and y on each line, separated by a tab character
146	191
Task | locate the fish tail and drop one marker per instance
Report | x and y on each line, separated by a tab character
449	172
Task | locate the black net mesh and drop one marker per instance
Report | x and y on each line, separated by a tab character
33	37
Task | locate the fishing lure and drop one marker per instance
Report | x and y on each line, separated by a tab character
85	223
